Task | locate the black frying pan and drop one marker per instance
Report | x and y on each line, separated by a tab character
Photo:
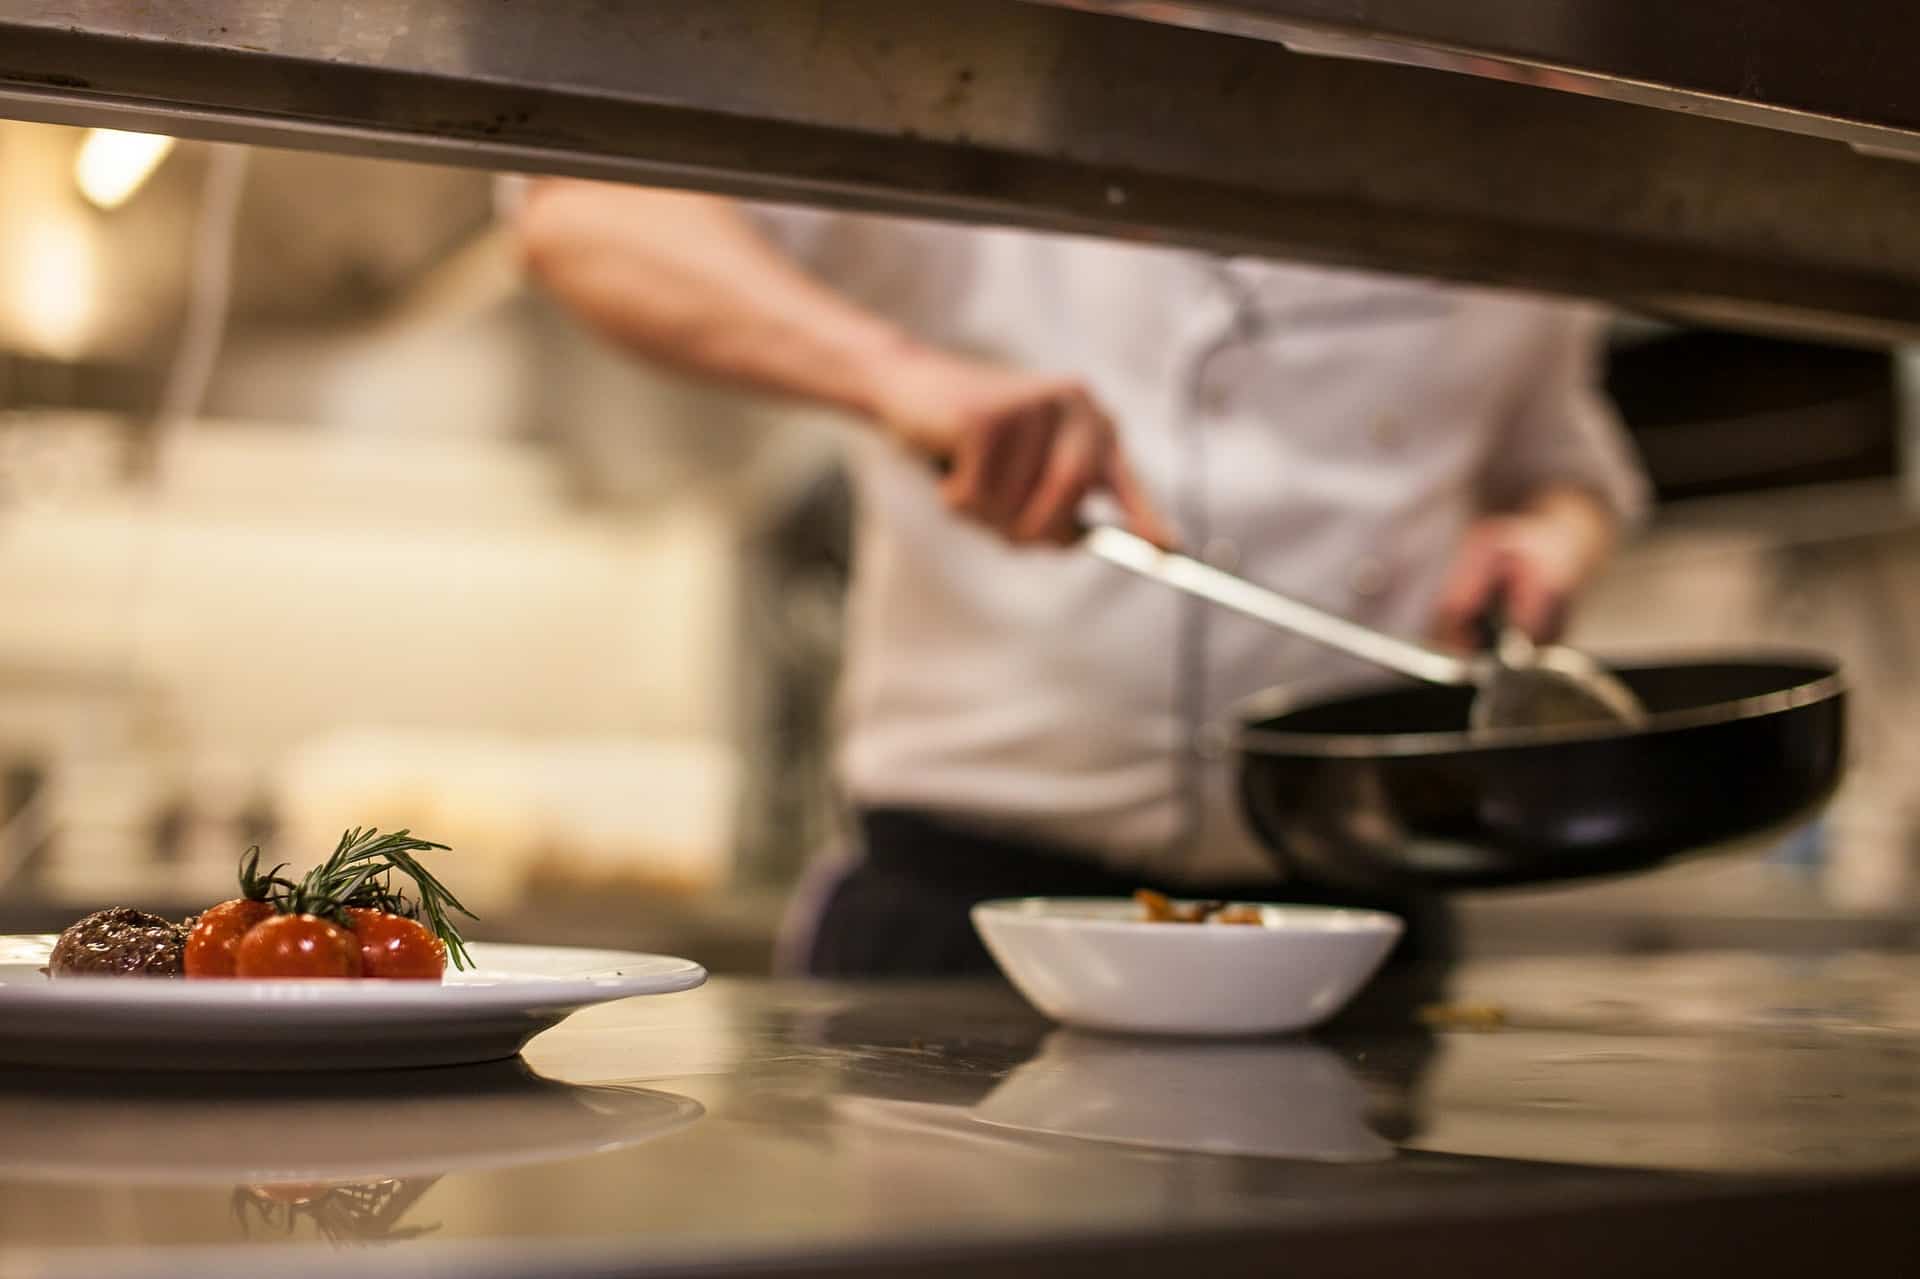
1384	787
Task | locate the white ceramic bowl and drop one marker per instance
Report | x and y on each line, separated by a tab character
1093	963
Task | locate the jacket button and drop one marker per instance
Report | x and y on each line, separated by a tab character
1212	743
1221	553
1369	577
1211	395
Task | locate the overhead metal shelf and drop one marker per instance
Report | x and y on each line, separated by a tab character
1058	116
1836	71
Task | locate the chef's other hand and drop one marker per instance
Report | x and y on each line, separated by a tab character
1541	555
1019	450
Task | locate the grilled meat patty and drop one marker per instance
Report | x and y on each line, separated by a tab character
120	942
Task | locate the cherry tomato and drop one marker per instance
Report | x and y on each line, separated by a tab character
216	936
395	947
297	946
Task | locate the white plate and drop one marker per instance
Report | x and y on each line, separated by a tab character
142	1023
1093	963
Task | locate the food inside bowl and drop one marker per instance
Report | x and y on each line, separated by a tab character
1158	908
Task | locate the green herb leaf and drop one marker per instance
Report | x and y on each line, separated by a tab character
360	873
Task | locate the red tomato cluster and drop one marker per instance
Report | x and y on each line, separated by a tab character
243	938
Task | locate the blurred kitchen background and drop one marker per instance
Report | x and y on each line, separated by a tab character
312	514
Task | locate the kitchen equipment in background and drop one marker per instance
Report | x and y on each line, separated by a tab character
1381	787
25	831
175	659
1519	685
1714	413
795	570
603	816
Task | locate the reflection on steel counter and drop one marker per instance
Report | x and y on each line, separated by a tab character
1781	1089
983	1040
277	1133
343	1212
1287	1098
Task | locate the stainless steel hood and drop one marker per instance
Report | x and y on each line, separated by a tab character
1721	160
1835	72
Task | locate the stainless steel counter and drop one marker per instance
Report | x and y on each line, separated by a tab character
1682	1115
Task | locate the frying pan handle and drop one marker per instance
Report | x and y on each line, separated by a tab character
1095	510
1492	621
1494	628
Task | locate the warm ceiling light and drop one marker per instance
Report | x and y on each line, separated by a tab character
113	164
49	278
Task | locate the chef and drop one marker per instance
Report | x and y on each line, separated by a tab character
1022	718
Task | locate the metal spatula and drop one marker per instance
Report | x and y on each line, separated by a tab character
1519	684
1528	685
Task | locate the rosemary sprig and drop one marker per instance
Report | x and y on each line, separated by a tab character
360	873
256	887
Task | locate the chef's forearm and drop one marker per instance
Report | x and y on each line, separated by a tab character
688	281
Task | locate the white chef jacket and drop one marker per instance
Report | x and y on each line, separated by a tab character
1329	434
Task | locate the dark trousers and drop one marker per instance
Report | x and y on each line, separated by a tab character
902	909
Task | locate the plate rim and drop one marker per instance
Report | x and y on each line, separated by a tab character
595	984
1294	919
